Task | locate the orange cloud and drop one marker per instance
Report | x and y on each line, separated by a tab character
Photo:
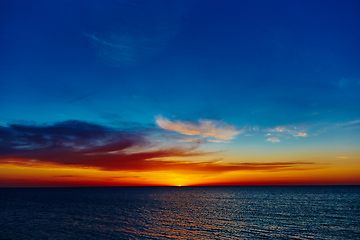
204	128
149	162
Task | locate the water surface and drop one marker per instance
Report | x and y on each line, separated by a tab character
296	212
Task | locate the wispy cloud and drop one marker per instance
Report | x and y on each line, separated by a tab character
294	131
143	32
139	165
118	49
67	176
347	157
192	140
300	134
346	82
273	140
349	123
82	97
214	130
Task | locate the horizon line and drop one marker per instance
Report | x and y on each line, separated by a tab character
177	186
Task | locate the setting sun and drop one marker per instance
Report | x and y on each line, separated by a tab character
181	119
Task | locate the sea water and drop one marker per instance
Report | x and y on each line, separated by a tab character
281	212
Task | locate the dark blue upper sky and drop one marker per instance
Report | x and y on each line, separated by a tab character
253	64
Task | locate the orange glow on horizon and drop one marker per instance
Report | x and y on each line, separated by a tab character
15	176
19	173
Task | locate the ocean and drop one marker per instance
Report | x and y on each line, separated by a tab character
244	212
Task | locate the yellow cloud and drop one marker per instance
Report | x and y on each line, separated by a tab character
204	128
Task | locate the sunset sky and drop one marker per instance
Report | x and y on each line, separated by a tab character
139	93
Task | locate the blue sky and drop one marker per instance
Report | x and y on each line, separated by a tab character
282	75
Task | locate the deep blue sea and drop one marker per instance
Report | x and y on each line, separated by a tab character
281	212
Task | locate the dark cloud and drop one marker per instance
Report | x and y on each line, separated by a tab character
63	138
86	145
82	144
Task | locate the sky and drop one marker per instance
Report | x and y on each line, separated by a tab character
168	93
